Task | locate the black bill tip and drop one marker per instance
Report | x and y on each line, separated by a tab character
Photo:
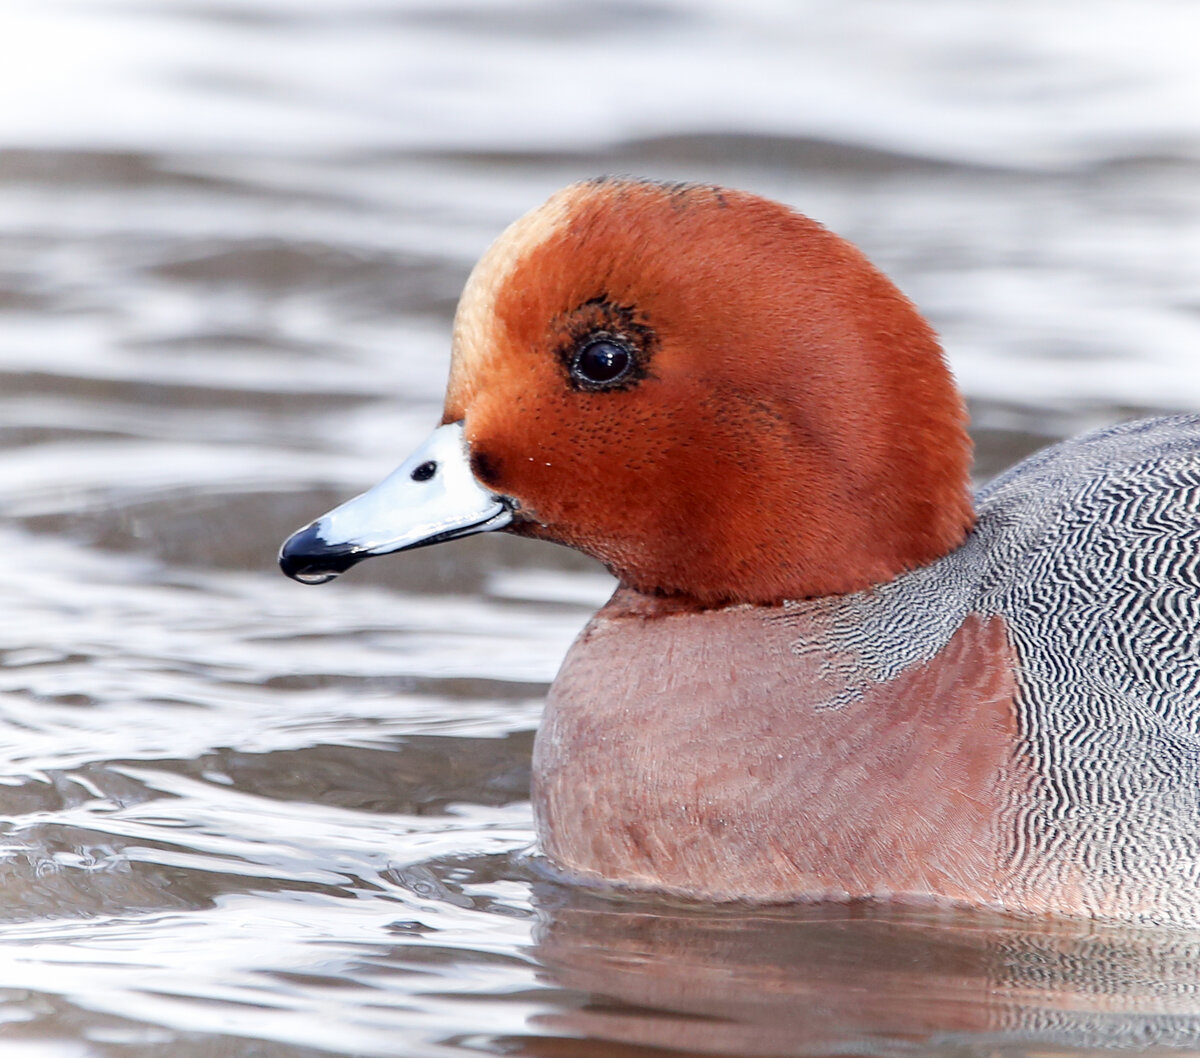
307	558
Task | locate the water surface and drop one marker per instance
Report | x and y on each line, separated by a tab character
243	817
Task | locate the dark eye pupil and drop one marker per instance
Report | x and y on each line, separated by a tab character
602	361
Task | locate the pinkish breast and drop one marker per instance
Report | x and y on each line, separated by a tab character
699	754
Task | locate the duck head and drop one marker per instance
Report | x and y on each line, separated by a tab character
715	396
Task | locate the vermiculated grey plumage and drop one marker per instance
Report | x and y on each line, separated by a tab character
1090	552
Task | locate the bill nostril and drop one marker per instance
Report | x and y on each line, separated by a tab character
425	471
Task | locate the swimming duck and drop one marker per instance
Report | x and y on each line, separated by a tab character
828	671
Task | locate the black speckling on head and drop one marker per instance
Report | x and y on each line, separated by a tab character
599	317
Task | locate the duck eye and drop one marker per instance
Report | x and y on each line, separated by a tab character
602	362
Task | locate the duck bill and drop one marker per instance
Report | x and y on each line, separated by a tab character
432	496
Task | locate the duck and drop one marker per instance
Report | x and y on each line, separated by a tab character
830	670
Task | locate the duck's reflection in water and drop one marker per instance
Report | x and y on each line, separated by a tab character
856	980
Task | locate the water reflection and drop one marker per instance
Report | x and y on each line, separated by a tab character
855	980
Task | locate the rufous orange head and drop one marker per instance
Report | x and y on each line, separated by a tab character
710	393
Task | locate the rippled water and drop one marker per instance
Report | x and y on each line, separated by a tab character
243	817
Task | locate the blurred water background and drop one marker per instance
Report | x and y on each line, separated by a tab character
243	817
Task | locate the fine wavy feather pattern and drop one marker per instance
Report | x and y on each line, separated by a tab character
1090	552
